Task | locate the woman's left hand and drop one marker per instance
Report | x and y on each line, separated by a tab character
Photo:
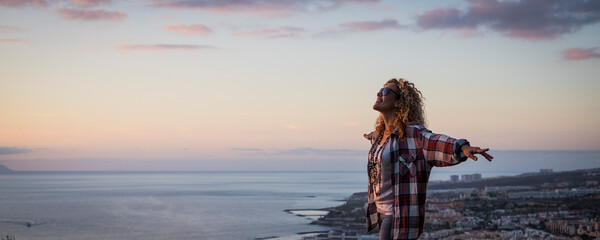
471	151
369	136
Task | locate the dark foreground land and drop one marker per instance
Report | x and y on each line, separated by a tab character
561	205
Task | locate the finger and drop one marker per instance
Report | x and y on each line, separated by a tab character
482	150
471	156
487	156
467	151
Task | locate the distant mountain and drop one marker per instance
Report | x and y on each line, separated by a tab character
4	169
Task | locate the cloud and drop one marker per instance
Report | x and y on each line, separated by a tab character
13	29
525	19
196	29
274	32
45	3
580	53
8	40
13	150
321	152
367	26
20	3
270	8
161	47
248	150
89	3
267	8
300	151
362	26
91	15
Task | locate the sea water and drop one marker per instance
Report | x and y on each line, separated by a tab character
208	205
167	205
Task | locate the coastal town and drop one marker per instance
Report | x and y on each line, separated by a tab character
542	205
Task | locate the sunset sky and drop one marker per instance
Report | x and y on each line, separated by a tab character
285	84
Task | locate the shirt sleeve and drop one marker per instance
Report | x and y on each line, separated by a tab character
440	150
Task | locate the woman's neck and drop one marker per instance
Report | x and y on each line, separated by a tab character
388	118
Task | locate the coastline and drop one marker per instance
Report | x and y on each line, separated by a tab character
347	216
550	204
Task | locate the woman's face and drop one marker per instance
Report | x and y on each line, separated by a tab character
385	103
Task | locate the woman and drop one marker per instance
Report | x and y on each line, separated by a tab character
402	154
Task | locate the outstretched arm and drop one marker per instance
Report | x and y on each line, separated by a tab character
441	151
467	150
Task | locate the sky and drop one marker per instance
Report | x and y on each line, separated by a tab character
285	84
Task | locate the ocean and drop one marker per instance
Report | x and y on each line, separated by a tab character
167	205
206	205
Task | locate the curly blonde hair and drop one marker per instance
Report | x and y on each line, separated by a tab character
409	108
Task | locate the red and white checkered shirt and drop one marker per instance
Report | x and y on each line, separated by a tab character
412	160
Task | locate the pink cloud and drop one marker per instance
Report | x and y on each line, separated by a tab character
525	19
8	40
7	28
197	29
275	32
267	8
19	3
367	26
442	18
91	15
362	26
161	47
89	3
270	8
580	53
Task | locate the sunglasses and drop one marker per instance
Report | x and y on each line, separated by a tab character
385	91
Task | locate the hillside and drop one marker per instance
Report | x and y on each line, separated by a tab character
569	178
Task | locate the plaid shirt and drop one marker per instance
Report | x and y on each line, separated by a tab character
412	160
